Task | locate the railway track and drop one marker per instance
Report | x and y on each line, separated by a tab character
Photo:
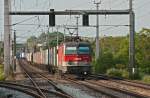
28	74
98	86
88	86
28	90
92	93
111	91
137	88
123	81
42	77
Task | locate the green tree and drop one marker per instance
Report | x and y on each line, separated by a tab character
32	43
122	56
104	62
42	38
143	50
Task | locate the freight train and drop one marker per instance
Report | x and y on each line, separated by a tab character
68	57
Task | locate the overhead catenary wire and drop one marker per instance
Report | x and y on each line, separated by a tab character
118	5
33	32
24	20
110	28
137	18
38	19
113	3
114	26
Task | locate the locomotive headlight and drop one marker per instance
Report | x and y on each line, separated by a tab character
78	59
85	73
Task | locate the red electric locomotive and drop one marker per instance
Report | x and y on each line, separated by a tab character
74	57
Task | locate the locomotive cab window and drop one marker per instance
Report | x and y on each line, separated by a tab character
71	50
83	50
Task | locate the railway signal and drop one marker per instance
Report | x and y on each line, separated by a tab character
52	18
85	20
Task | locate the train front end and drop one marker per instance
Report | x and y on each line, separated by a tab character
77	58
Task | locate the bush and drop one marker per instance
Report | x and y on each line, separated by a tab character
146	78
2	72
120	66
114	72
103	63
2	77
118	73
125	74
1	66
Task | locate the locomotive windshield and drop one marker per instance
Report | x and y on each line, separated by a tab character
77	48
83	50
71	50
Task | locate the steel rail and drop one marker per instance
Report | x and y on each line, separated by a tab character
128	93
90	87
20	90
33	88
33	82
55	86
123	81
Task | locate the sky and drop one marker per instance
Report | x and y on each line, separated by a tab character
24	30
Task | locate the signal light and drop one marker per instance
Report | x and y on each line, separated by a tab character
85	19
52	18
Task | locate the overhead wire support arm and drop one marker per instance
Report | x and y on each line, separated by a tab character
115	25
71	12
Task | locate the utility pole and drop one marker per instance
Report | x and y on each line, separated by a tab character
1	46
57	35
14	50
77	25
6	38
47	40
97	31
64	34
57	45
132	67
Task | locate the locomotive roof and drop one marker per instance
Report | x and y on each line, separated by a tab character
76	43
